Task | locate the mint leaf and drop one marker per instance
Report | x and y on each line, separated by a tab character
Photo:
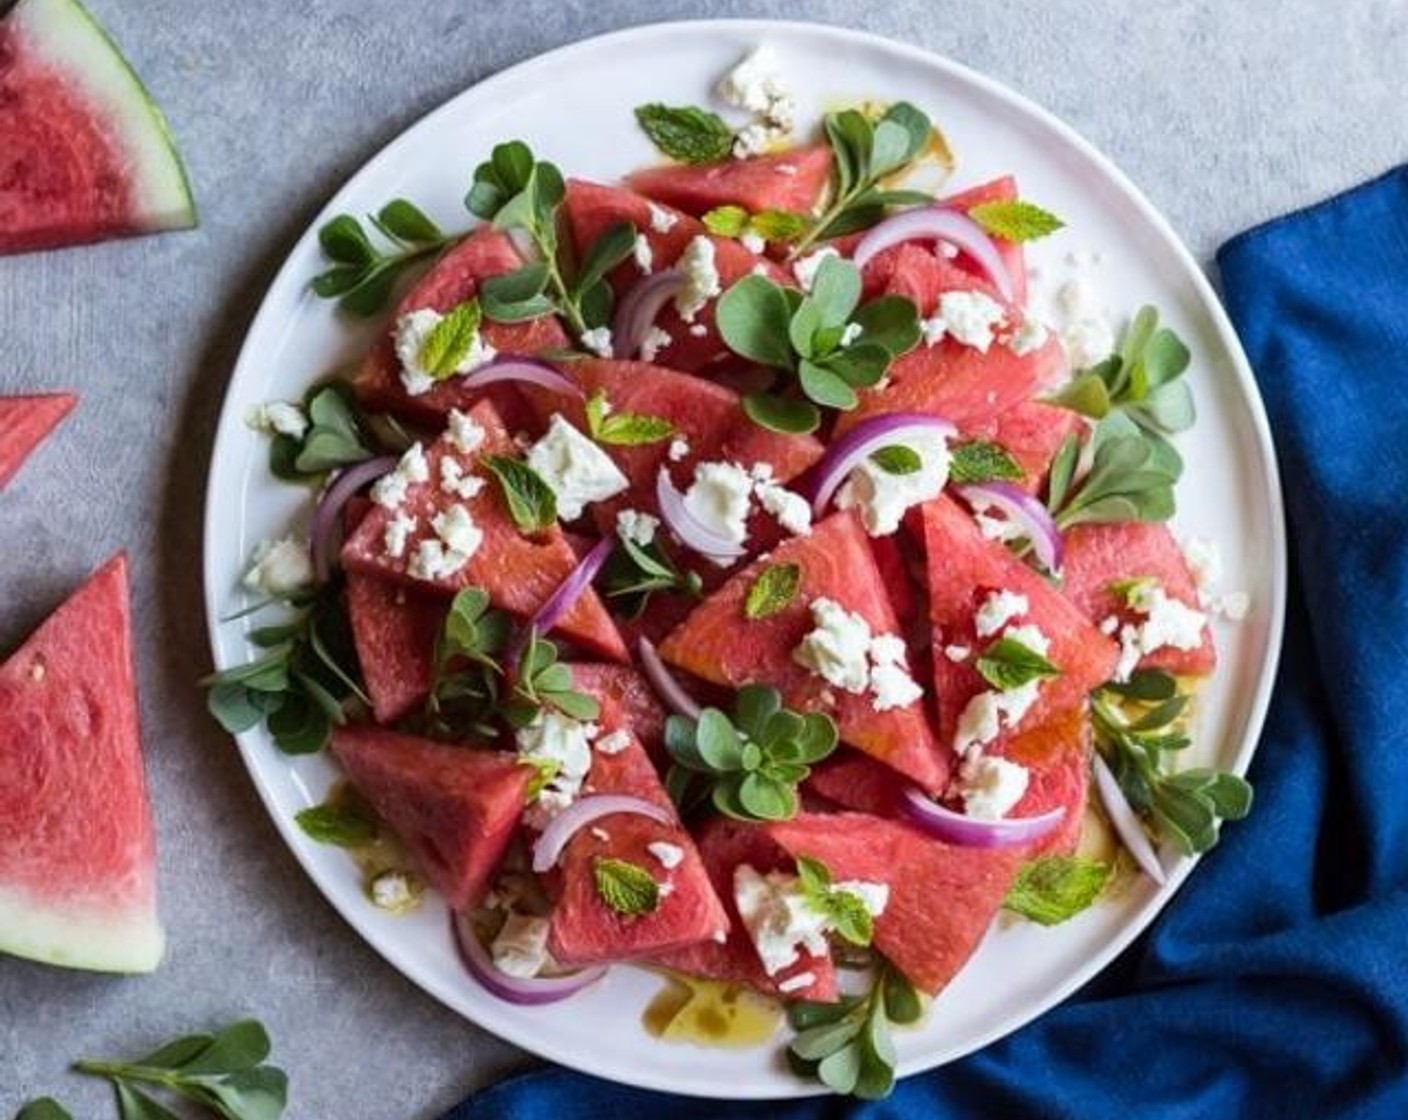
981	461
897	459
624	429
726	221
1054	888
450	340
1015	220
341	825
530	501
1007	664
625	887
773	591
686	133
779	225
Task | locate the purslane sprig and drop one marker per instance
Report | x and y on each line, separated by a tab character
338	435
633	573
1131	477
363	275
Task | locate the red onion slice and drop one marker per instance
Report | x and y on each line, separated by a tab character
528	371
968	832
515	989
663	681
691	532
638	310
585	811
1126	822
1025	511
330	504
564	598
937	223
861	442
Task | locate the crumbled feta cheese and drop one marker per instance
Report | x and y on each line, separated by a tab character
882	498
432	561
933	330
655	340
277	418
521	947
1109	625
614	743
464	431
389	491
454	482
669	855
412	331
991	787
664	890
760	269
893	687
805	268
719	499
662	220
873	896
642	253
1087	336
997	610
598	341
1029	337
699	330
967	317
395	891
987	713
1205	563
796	983
601	834
279	567
957	653
397	534
457	531
1030	636
1167	622
1235	605
792	511
838	648
755	85
637	527
781	921
679	449
753	241
995	527
851	332
575	469
563	744
701	278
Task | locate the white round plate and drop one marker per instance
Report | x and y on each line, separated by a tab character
574	106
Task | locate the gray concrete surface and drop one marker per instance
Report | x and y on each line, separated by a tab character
1225	114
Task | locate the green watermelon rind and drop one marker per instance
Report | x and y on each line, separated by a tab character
66	37
94	936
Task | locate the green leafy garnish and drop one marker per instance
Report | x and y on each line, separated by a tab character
337	436
845	910
832	343
634	572
1183	806
1008	663
362	275
450	340
751	765
981	461
897	459
686	133
226	1073
625	887
847	1045
345	826
1131	477
624	429
1054	888
773	591
530	501
771	225
542	681
1015	219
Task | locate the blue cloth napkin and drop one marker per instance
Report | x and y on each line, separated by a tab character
1277	982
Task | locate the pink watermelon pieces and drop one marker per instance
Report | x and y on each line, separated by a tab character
852	780
724	844
1099	555
454	278
942	898
77	850
454	807
964	567
518	572
718	643
623	689
792	180
584	929
85	154
1032	433
24	424
1056	754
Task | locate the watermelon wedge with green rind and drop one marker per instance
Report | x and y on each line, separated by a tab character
791	180
455	807
25	422
518	572
720	644
77	849
85	154
942	898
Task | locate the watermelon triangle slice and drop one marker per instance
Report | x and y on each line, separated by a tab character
454	807
791	180
85	153
77	850
24	424
942	898
1056	754
720	644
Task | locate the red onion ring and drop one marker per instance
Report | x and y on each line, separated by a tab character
581	813
662	680
638	310
691	532
529	371
564	598
1025	511
937	223
1126	822
515	989
862	441
326	515
968	832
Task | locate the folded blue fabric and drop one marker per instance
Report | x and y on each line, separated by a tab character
1277	982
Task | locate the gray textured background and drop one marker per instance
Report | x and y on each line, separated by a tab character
1225	114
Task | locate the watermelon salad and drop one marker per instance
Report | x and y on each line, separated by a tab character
728	570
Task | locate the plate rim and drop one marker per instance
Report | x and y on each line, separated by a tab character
229	428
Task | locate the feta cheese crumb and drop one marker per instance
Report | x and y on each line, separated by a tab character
967	317
994	527
598	341
837	649
792	511
601	834
1029	337
1168	622
1087	336
521	947
662	220
1031	637
655	340
1109	625
464	431
851	332
643	255
997	610
277	418
699	330
389	491
720	500
957	653
395	891
883	498
756	85
457	531
780	919
576	470
701	278
805	268
669	855
991	787
987	713
753	241
412	332
397	534
679	449
796	983
636	526
614	743
279	567
562	745
889	674
453	480
432	561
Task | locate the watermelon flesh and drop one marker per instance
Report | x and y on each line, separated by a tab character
77	849
1031	433
1056	754
942	897
454	807
1002	189
25	422
716	642
791	180
85	153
